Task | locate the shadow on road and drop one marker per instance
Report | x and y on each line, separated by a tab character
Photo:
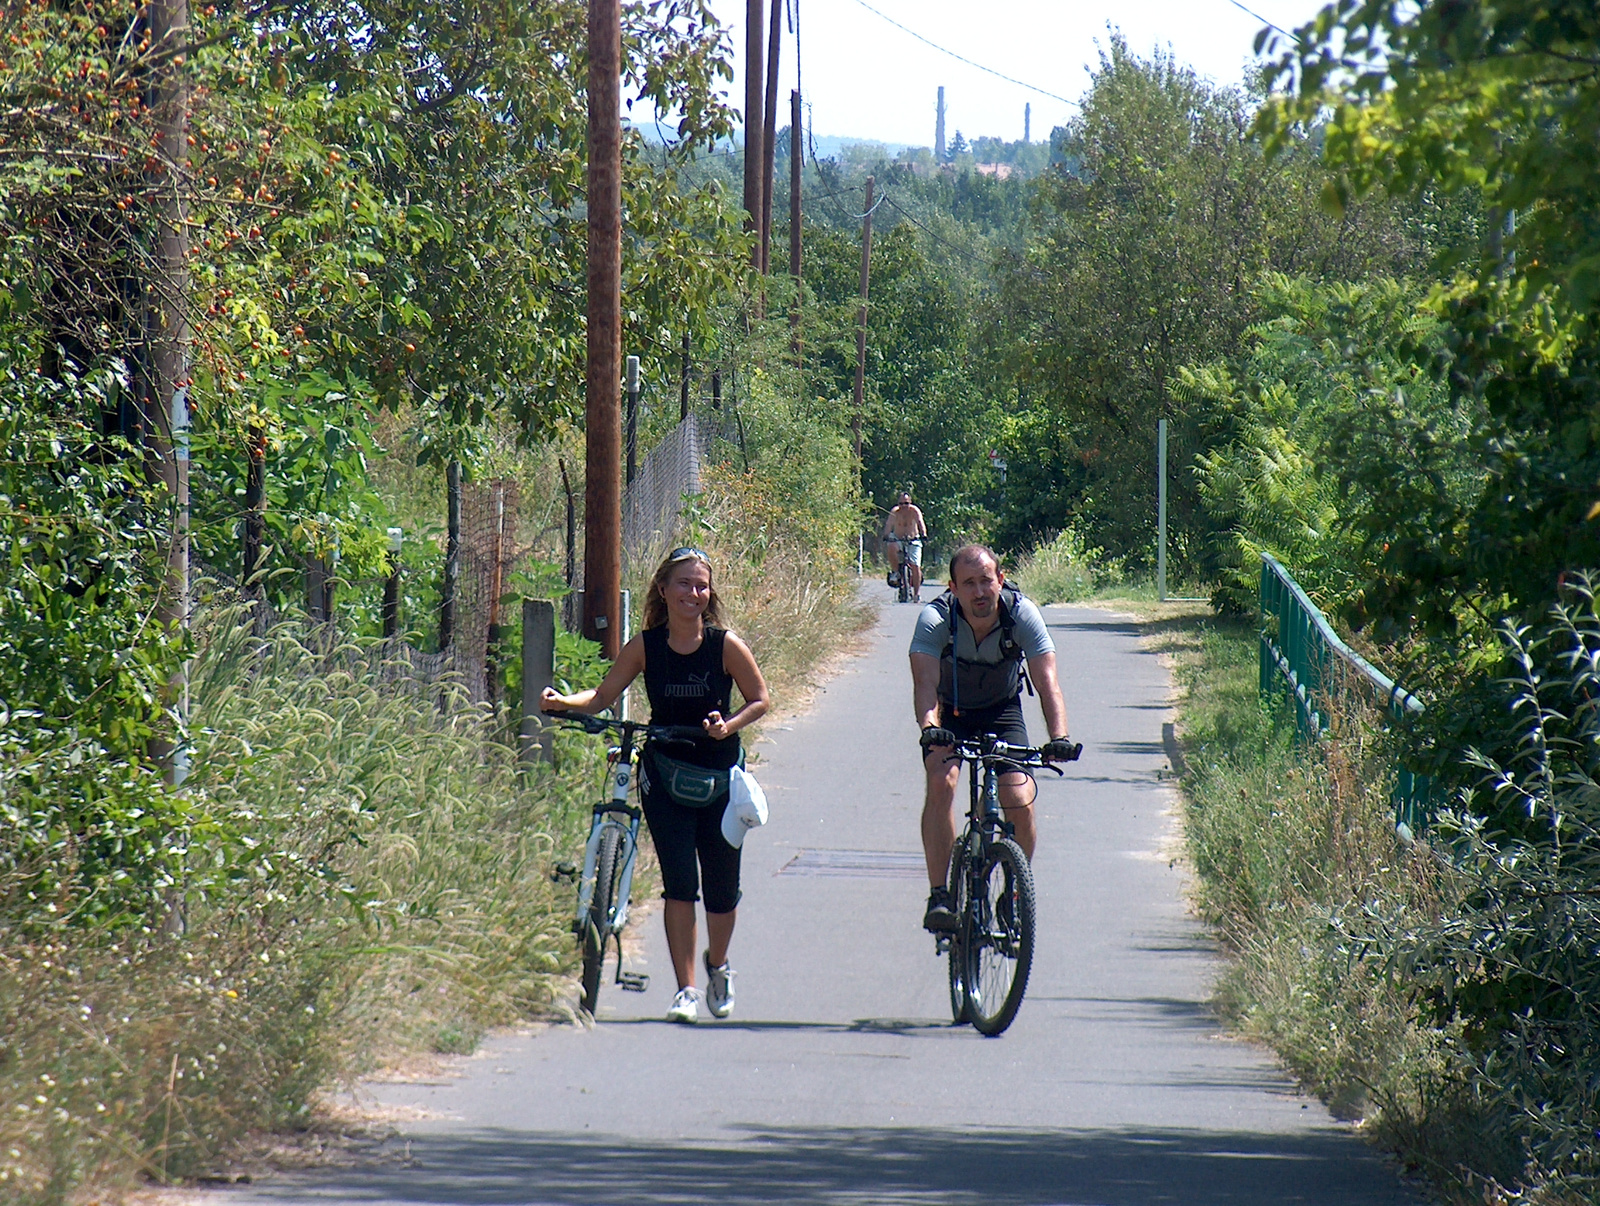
844	1167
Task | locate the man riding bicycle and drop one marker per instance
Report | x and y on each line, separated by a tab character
904	529
967	658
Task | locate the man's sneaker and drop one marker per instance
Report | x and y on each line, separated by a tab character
719	988
685	1006
940	917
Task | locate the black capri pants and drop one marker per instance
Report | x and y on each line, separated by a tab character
680	834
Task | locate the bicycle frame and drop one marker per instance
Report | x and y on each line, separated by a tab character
609	813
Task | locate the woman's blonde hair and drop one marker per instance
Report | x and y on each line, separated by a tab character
655	600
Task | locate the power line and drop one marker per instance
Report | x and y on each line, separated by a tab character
1269	24
963	58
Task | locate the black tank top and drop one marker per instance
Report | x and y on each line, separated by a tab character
685	688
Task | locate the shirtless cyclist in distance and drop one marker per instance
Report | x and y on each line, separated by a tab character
905	524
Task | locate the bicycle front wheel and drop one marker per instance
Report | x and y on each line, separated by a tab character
597	927
957	882
999	946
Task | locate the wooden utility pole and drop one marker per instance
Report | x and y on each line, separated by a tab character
753	121
602	494
861	322
796	167
167	330
769	133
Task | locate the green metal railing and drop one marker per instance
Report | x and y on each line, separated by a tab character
1300	649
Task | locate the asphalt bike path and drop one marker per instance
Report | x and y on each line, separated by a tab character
839	1078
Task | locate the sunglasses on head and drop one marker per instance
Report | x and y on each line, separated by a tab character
686	552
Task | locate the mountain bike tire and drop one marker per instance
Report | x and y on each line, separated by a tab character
597	928
999	949
957	882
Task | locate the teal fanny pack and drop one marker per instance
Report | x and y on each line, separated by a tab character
690	785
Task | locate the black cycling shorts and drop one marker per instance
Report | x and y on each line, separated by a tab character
1003	721
690	846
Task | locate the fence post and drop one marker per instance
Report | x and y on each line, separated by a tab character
391	586
536	741
452	555
1161	509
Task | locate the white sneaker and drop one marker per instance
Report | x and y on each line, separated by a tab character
685	1006
719	988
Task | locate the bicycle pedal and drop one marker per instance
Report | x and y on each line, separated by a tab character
633	981
564	871
941	944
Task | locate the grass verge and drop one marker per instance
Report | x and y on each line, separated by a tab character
1295	859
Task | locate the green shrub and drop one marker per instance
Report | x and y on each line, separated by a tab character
364	873
1065	569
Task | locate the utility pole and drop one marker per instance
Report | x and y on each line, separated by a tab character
602	496
769	133
796	167
861	327
1027	121
167	330
938	129
754	123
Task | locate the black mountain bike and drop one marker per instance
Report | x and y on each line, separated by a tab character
991	886
607	879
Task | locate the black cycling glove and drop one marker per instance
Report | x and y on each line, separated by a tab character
932	736
1061	749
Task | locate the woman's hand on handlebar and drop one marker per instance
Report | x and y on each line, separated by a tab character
715	726
551	700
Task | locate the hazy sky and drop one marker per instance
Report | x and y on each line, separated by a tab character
865	78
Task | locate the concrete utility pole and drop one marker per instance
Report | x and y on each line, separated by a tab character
167	330
754	79
1027	121
938	129
633	419
796	167
769	133
861	327
602	495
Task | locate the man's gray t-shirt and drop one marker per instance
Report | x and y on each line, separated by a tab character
933	635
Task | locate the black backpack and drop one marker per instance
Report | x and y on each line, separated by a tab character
981	684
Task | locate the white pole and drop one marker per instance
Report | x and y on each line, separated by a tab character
627	621
1161	510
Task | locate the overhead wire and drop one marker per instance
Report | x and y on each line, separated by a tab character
963	58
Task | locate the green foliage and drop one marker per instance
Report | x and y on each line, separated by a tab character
1332	419
367	875
1139	260
1497	103
87	830
1064	570
1510	965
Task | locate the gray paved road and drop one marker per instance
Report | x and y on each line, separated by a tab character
839	1080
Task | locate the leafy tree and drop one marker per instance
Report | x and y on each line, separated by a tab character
1335	404
1499	103
1140	260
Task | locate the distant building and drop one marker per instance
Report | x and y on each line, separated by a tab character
1000	171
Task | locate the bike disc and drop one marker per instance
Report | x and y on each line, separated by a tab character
999	952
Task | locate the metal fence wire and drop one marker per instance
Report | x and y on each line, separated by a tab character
1300	648
653	501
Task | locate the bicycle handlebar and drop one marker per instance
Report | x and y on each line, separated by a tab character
989	752
599	724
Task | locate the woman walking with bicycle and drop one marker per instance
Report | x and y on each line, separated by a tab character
690	662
